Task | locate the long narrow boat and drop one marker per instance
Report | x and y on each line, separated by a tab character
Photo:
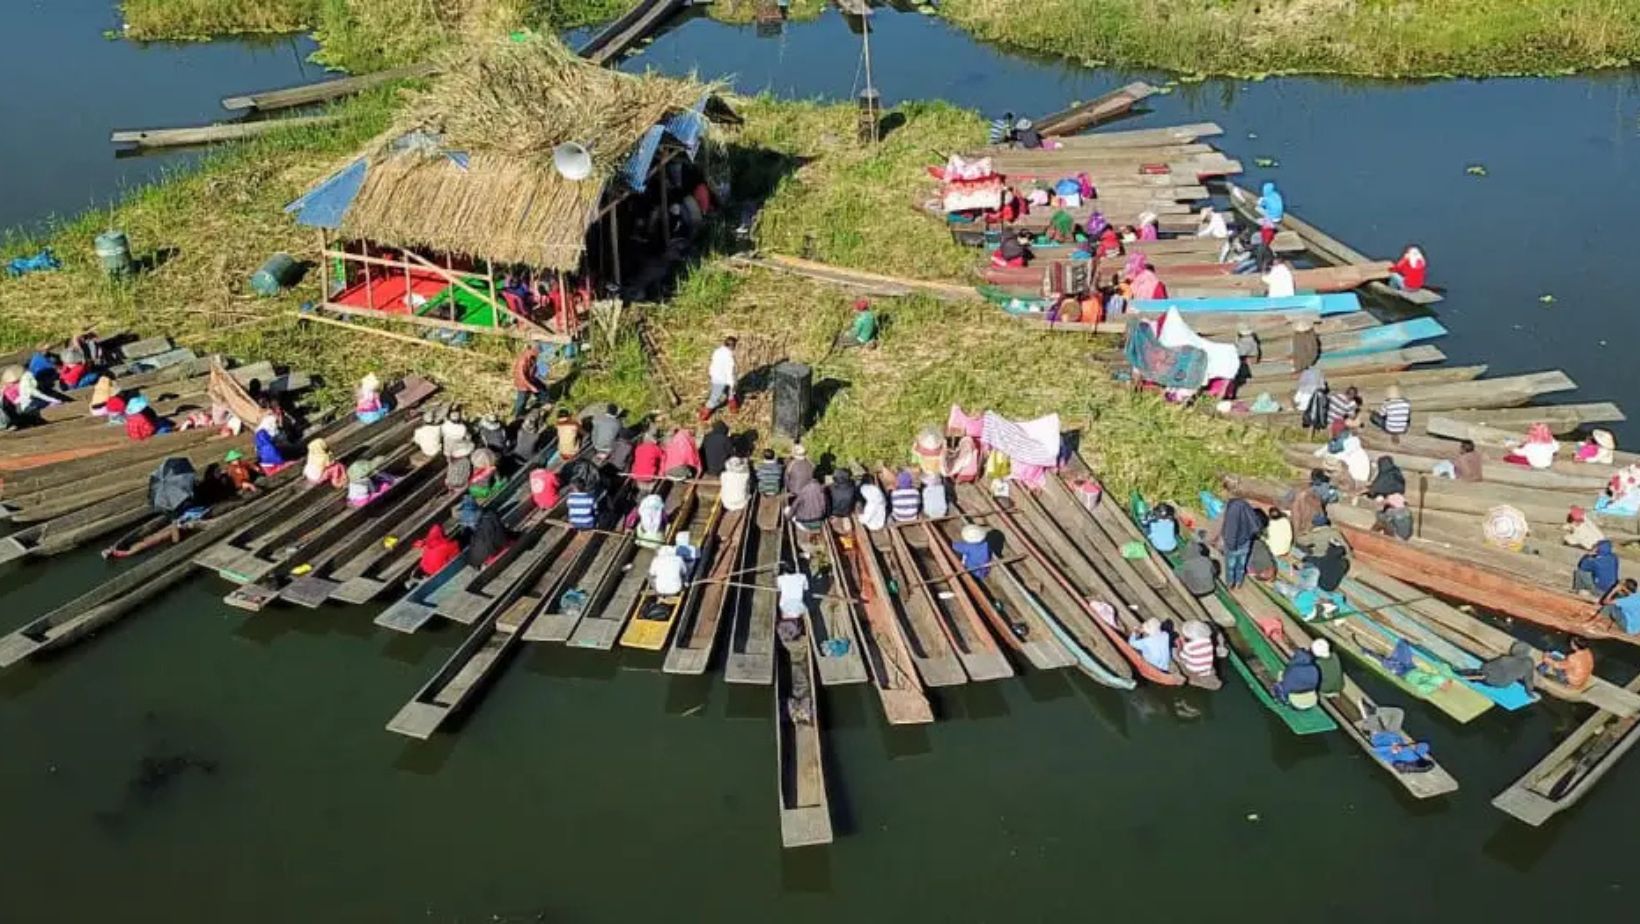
626	577
711	594
751	640
1422	354
1418	451
1104	108
800	773
1051	597
590	579
26	487
832	631
931	650
887	657
394	530
1139	137
1376	381
1193	284
1509	391
473	663
1560	418
1005	604
1356	343
1566	774
1500	439
954	612
1355	635
1349	707
650	625
1079	578
1324	305
1250	654
1484	640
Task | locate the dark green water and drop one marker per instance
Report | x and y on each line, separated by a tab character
200	763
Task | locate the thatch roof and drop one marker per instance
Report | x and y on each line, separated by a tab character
468	167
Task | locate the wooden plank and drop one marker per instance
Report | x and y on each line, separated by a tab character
323	90
751	643
212	134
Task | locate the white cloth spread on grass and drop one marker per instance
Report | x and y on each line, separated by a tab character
1223	360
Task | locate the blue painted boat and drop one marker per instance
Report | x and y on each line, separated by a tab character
1333	303
1382	338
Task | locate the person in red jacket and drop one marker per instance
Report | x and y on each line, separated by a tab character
1408	272
646	459
139	420
437	550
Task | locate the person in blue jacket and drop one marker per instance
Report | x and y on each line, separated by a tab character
1596	572
1271	205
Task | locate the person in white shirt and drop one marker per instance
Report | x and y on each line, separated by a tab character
1212	224
874	506
1278	282
735	484
666	572
794	591
720	372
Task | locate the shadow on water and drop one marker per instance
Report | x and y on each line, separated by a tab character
806	869
1109	706
415	648
748	701
688	696
1046	686
552	660
974	701
1520	846
426	758
906	741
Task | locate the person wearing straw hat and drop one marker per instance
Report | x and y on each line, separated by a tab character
800	470
975	551
1394	416
1599	449
1306	345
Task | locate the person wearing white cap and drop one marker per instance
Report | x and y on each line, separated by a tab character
1332	673
666	572
1278	282
1196	651
1247	344
735	484
974	551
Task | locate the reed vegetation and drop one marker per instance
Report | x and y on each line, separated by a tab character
1378	38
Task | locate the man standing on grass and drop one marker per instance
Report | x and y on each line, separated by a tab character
529	385
721	373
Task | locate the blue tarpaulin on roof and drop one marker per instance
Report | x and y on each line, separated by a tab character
635	172
689	126
325	204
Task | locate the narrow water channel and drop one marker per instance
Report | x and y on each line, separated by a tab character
200	763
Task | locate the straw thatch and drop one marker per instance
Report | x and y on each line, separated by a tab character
505	104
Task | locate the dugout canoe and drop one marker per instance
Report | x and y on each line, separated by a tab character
1349	707
479	657
1009	611
946	598
392	534
1568	772
931	650
1561	418
1027	280
1324	305
1118	102
1377	381
800	773
626	574
709	595
1564	475
1494	442
1356	363
1139	137
649	626
1365	341
887	657
751	640
1042	539
830	616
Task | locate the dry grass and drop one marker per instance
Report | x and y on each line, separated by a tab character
171	20
1384	38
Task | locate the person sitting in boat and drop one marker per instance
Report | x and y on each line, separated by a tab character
1387	480
1394	416
368	405
1211	224
1621	605
1278	532
1346	458
1599	449
366	481
809	508
104	389
1109	245
240	472
321	467
680	459
1015	251
1343	410
770	475
1248	347
1306	345
1308	501
905	501
22	392
1572	669
1579	531
493	436
1394	518
667	572
974	550
140	422
1061	226
1161	527
1146	285
1300	683
1407	273
453	430
75	371
1538	451
793	588
1197	650
1271	205
651	526
1467	465
569	434
1261	562
1332	672
873	512
582	504
1596	572
1026	137
842	495
715	449
935	502
484	480
1330	567
1505	670
427	438
647	456
1196	570
1001	131
1278	280
1151	642
544	488
489	539
735	484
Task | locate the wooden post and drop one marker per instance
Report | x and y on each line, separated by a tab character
563	304
369	290
450	270
495	306
324	269
615	243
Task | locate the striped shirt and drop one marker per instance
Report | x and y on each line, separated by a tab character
905	503
1397	415
583	510
1340	406
1196	655
769	476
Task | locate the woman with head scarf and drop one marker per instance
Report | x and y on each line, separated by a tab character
1539	449
437	550
483	482
1407	274
1272	206
1147	286
1598	449
489	538
934	503
679	458
365	483
873	505
1062	227
320	467
368	405
651	528
1388	480
1148	230
735	485
928	451
1109	242
269	456
545	488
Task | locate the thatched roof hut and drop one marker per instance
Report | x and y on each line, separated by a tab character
468	167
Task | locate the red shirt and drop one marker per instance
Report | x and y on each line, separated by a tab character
437	550
646	461
1411	276
139	427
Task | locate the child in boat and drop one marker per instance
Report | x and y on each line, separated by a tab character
321	467
368	405
365	483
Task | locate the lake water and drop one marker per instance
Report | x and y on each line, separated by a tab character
198	763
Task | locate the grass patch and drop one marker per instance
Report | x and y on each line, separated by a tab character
741	12
193	20
1380	38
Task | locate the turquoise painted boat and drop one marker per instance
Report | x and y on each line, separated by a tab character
1330	304
1385	337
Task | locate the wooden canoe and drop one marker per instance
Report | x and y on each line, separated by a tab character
616	579
394	530
751	640
1561	418
477	659
1140	137
1566	774
1006	608
885	652
1355	363
1564	475
1120	101
1377	381
723	553
649	627
1451	428
930	647
805	809
830	616
954	611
